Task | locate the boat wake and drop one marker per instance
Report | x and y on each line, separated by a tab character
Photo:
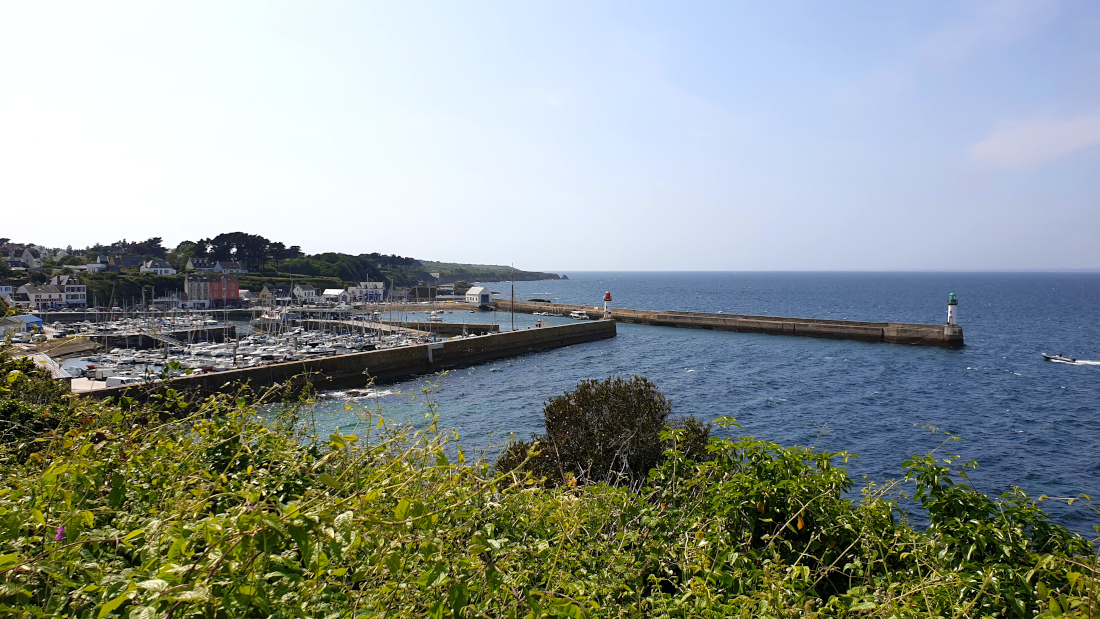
1076	361
1059	358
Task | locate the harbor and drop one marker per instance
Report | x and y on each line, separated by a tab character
147	348
355	369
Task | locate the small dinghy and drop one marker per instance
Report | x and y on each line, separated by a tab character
1059	358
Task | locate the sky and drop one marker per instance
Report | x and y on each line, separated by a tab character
588	135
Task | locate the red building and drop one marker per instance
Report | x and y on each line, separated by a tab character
224	289
212	290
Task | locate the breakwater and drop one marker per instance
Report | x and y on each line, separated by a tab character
358	369
950	336
446	328
408	327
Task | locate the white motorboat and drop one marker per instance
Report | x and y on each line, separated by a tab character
578	315
1059	358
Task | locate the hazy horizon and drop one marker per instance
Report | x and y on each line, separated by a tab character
910	136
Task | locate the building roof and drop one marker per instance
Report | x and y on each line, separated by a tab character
43	289
20	319
229	264
333	292
306	288
127	261
157	264
66	280
477	290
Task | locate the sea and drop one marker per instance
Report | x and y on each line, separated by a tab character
1028	422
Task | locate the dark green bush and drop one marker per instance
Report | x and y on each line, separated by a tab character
604	431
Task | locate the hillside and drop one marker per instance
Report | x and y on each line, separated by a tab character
450	272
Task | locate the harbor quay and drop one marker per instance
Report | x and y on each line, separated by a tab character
415	327
948	335
359	369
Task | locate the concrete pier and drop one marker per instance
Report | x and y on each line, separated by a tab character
446	328
354	370
949	336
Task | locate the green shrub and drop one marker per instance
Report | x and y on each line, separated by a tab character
231	511
31	403
603	431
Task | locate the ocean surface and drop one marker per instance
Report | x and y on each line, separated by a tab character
1028	422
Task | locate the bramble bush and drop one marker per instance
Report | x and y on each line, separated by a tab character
225	510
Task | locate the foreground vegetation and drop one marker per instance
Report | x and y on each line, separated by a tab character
222	509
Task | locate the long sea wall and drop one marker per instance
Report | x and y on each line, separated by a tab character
358	369
950	336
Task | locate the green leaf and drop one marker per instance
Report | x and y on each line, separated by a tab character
402	510
458	597
329	481
198	594
110	607
433	576
118	491
300	535
154	584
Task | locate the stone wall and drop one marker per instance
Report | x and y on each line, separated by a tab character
888	332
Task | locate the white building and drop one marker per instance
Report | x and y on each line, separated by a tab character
159	267
306	293
478	295
335	295
76	293
198	264
367	291
43	297
229	266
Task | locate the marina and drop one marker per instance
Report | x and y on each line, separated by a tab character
357	369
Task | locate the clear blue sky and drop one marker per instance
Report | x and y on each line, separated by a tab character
564	135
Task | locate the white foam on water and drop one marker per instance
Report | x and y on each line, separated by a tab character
1083	362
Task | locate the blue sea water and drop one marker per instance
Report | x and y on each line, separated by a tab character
1028	422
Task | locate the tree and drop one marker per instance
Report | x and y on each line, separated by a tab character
603	431
275	251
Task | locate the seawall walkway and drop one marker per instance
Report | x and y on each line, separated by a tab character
949	336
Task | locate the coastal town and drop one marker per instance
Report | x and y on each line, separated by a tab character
38	278
130	313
